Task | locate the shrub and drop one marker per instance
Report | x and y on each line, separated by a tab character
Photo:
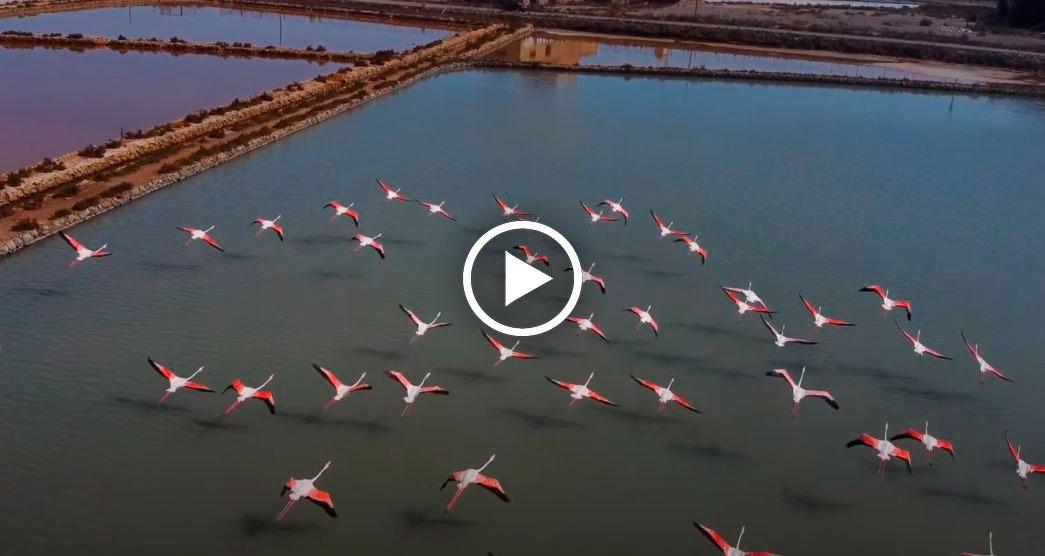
25	224
117	189
67	191
74	36
92	151
5	211
48	165
60	213
33	204
216	134
925	22
86	203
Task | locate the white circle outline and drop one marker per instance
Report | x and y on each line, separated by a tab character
575	264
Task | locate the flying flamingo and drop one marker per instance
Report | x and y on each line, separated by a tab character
744	306
886	450
299	488
918	346
245	393
781	340
269	224
532	257
437	209
665	230
617	207
819	319
749	295
928	440
470	477
694	247
340	389
665	395
342	210
580	391
505	353
511	211
985	367
202	235
367	241
990	542
888	304
588	324
1023	469
412	392
798	393
176	381
83	253
725	547
645	318
587	276
421	325
392	194
594	217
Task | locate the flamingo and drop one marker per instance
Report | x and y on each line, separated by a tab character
511	211
412	392
340	389
176	381
985	367
665	230
928	440
532	257
888	304
201	235
886	450
725	547
749	295
587	276
421	325
918	346
645	318
990	543
299	488
269	224
1023	469
505	353
580	391
819	319
665	395
744	306
798	393
342	210
588	324
617	207
245	393
392	194
367	241
694	247
594	217
781	340
468	477
437	209
83	253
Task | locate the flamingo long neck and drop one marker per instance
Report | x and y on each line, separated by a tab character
587	382
102	248
670	382
648	307
488	462
277	218
361	377
591	267
350	205
424	379
208	229
193	375
990	541
620	201
435	319
377	236
927	428
669	224
886	437
801	376
325	467
268	380
918	336
516	345
740	538
591	316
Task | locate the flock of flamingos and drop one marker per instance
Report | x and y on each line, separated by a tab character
745	299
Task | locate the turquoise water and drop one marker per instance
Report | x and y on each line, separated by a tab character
810	190
57	101
209	24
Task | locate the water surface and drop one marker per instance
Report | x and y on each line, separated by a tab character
56	101
810	190
208	24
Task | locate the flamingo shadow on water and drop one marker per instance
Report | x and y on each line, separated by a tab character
321	418
147	406
538	421
711	452
255	525
429	518
473	374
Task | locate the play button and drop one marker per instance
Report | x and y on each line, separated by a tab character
521	279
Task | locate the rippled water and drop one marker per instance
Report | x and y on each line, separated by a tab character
575	50
209	24
56	101
810	190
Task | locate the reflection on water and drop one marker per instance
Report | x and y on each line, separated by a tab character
208	24
56	101
575	50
